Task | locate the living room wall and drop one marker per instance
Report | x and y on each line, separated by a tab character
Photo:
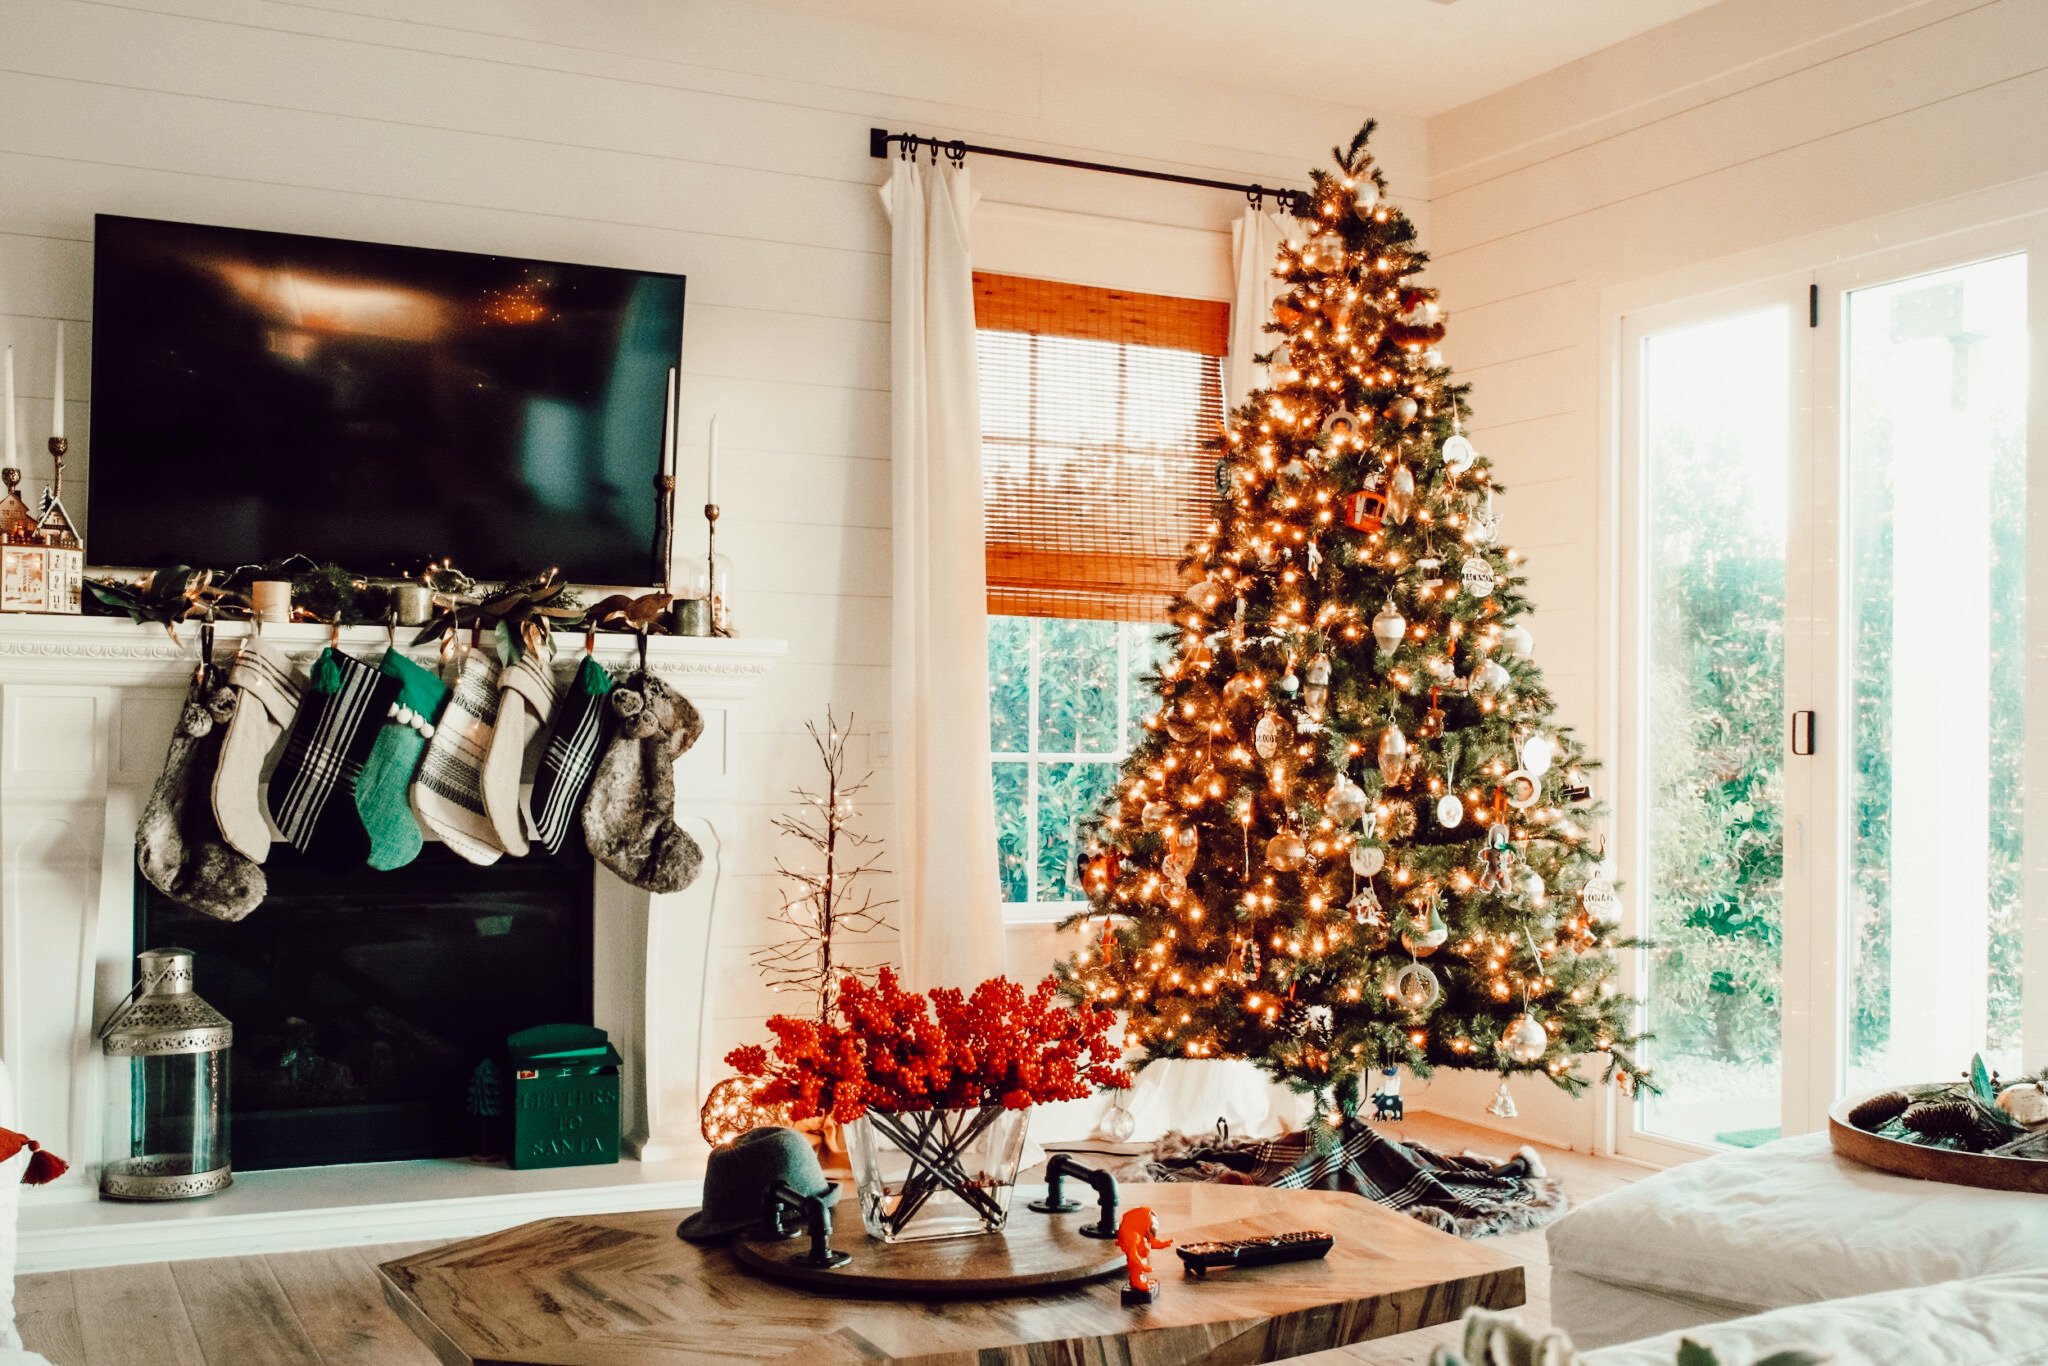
1746	124
606	131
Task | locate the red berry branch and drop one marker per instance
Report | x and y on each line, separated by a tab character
894	1050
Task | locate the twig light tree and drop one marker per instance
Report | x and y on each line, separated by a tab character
833	899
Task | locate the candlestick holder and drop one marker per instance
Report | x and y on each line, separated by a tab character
665	528
58	446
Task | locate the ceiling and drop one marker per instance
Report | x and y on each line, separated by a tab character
1403	57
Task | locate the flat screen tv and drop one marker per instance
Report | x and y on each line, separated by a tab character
262	394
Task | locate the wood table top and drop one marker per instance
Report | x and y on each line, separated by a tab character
622	1288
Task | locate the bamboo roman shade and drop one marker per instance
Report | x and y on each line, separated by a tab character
1097	407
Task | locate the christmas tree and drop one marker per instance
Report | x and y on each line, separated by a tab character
1354	835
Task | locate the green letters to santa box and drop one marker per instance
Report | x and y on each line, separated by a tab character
565	1097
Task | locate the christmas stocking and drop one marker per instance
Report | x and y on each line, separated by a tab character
583	723
269	700
448	794
526	698
408	725
178	844
324	753
629	819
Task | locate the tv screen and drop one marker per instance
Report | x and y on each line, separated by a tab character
260	394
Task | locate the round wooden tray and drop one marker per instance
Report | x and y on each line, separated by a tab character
1034	1252
1931	1164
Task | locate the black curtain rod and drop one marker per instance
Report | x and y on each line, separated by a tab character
1297	202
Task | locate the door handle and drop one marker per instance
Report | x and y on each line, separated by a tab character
1802	732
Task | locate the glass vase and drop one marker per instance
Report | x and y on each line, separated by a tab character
936	1173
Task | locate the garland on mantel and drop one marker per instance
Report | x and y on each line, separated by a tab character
519	610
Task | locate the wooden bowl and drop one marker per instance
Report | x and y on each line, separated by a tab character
1931	1164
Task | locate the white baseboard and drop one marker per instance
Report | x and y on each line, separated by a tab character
316	1207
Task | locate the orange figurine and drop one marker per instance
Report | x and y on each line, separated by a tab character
1136	1237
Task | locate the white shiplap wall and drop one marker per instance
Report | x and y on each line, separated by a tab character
720	140
1748	123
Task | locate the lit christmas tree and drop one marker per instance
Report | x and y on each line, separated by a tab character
1354	835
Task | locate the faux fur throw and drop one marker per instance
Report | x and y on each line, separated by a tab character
1468	1195
43	1167
629	817
178	843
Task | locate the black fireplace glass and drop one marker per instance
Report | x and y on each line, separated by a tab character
363	1000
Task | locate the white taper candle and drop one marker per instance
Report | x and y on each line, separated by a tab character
57	392
10	410
711	465
668	427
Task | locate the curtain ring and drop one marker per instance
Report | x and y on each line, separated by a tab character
1256	197
956	152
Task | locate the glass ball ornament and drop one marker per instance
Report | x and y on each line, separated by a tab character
1525	1040
1393	754
1416	987
1389	628
1599	897
1535	888
1238	688
1155	814
1286	852
1365	198
1207	594
1518	641
1404	409
1367	859
1489	678
1346	802
1119	1123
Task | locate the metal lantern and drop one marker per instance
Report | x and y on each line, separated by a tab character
168	1133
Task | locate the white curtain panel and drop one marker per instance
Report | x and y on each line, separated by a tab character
951	909
1255	240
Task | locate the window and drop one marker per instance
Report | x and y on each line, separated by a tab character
1097	407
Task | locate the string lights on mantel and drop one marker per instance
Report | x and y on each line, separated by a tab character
1354	834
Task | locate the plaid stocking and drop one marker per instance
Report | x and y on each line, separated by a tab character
449	794
583	722
325	752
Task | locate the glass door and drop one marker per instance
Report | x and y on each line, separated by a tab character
1832	607
1933	438
1713	441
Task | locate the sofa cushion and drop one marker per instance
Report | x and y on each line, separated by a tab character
1791	1223
1988	1321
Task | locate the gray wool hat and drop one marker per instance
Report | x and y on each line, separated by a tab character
737	1178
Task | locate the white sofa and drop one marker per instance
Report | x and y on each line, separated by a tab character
11	1352
1987	1321
1785	1225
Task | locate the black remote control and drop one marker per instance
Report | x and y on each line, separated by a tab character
1304	1245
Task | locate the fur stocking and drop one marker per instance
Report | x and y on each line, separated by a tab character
178	844
629	817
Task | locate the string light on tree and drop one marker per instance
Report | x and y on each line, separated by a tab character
1349	652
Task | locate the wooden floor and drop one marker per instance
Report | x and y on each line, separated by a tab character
325	1308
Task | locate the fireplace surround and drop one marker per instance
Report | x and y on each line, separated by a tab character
86	708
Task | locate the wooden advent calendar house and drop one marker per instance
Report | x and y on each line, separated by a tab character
42	559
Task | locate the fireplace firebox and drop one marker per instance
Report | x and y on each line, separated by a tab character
363	1001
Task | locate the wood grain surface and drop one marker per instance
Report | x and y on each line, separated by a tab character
1931	1164
605	1291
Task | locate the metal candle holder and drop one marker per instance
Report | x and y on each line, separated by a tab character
665	526
58	446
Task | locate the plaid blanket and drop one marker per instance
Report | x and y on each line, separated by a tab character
1468	1195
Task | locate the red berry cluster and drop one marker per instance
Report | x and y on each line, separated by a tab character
897	1050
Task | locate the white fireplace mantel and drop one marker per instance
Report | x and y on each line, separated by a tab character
86	708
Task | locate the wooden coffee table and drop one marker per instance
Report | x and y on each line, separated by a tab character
622	1288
